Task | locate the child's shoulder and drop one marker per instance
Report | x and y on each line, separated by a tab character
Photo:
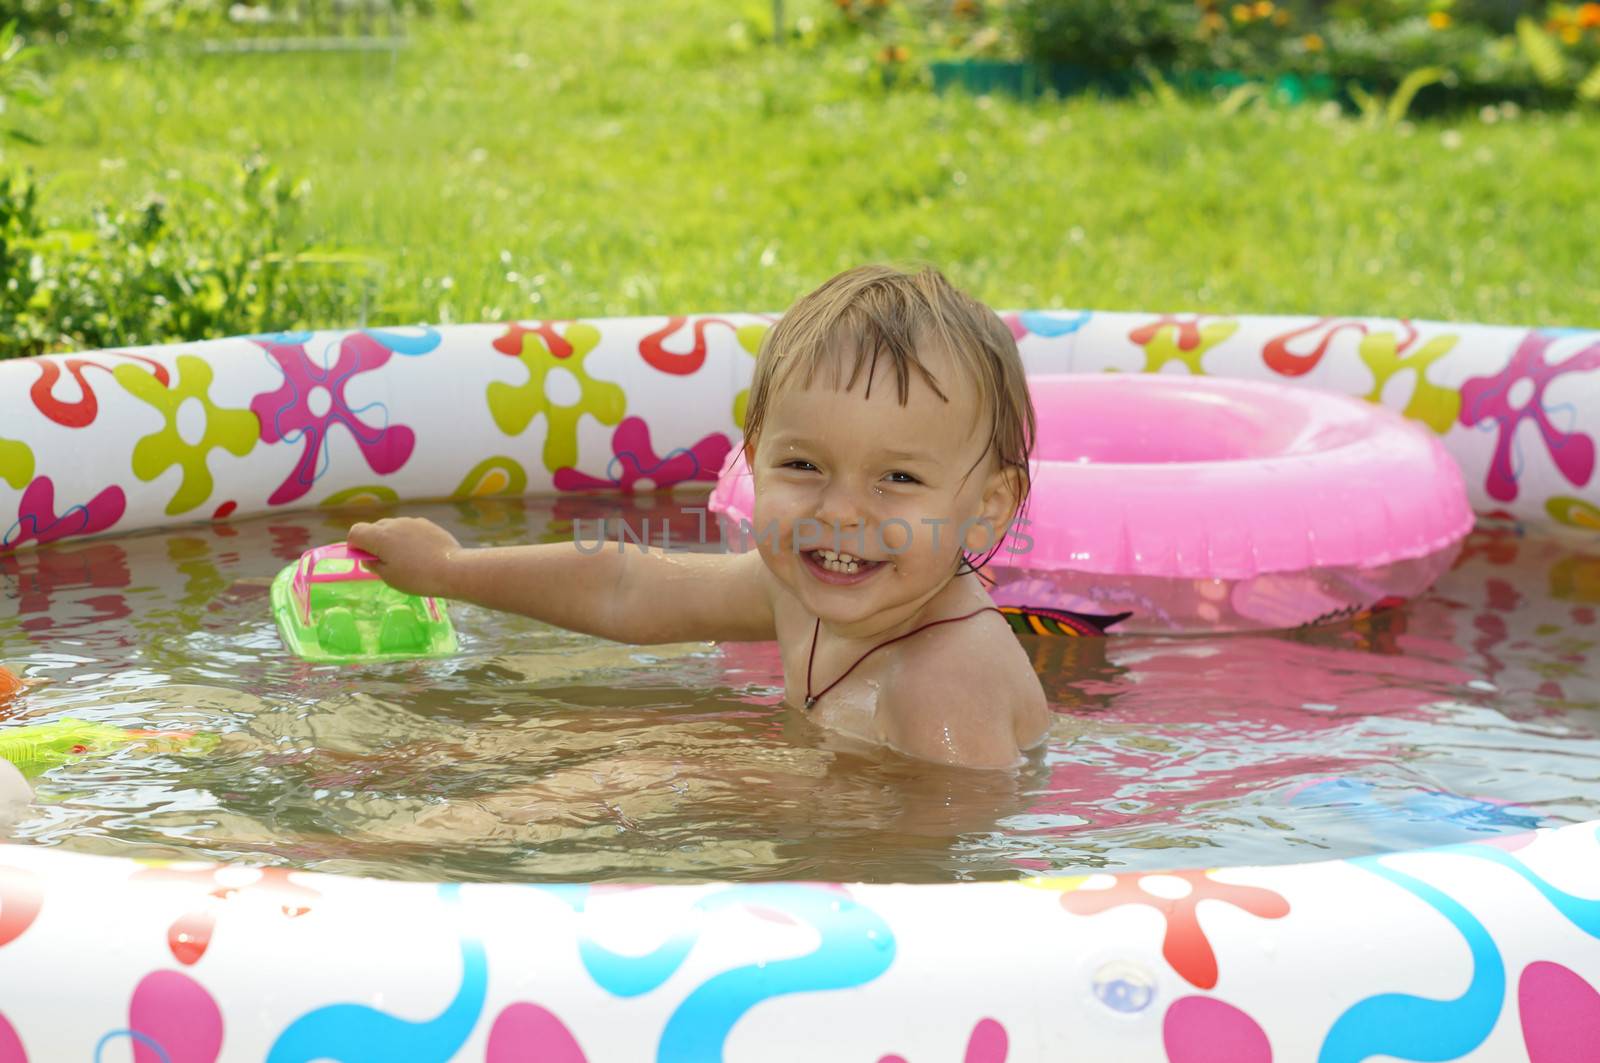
966	694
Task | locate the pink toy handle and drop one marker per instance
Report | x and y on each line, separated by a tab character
306	574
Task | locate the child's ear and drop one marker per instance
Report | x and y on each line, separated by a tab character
1002	495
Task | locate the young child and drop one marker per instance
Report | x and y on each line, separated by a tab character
888	431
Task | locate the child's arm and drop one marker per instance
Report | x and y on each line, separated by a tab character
627	595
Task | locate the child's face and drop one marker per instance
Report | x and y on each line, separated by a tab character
898	489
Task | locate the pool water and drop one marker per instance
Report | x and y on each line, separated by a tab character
539	755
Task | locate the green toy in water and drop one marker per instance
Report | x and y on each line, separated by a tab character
37	747
331	607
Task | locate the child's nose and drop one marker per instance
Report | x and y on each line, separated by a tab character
841	503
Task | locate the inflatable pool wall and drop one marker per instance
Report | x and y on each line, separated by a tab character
140	437
1485	951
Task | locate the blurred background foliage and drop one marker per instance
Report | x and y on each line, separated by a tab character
184	169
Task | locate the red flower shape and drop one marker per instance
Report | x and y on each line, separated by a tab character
511	343
1185	945
190	934
20	900
1280	359
651	349
87	407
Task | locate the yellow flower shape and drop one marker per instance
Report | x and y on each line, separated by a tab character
16	463
1174	339
515	406
235	431
1055	883
498	475
1431	404
750	337
1574	512
363	495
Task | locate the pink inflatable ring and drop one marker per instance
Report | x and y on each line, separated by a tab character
1173	503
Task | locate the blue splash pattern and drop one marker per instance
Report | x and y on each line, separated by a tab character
1419	1028
1051	326
410	344
1582	912
356	1033
857	946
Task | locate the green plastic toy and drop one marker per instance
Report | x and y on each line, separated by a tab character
37	747
331	608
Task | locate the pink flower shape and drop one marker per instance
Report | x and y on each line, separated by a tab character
1516	394
37	518
525	1032
1200	1029
988	1044
171	1019
311	402
635	460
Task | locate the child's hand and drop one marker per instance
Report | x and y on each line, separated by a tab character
414	555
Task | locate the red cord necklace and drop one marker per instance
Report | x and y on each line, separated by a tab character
811	699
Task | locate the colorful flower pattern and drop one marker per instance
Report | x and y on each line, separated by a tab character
79	412
611	369
636	466
1050	326
1185	946
190	934
514	407
182	1019
1179	338
1574	512
16	463
311	402
37	520
1387	357
750	338
654	351
1516	394
172	1019
731	971
231	430
986	1044
524	1032
498	475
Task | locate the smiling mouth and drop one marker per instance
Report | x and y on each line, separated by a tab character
838	567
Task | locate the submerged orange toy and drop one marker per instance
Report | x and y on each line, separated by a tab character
10	685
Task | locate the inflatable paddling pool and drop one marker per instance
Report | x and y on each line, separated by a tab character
1483	951
1168	504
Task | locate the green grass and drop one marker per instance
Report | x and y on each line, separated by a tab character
572	157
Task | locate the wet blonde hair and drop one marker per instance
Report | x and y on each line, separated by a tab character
874	312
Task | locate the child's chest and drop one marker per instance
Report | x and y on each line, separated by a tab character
847	688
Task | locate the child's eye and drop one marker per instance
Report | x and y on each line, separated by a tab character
903	478
803	466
